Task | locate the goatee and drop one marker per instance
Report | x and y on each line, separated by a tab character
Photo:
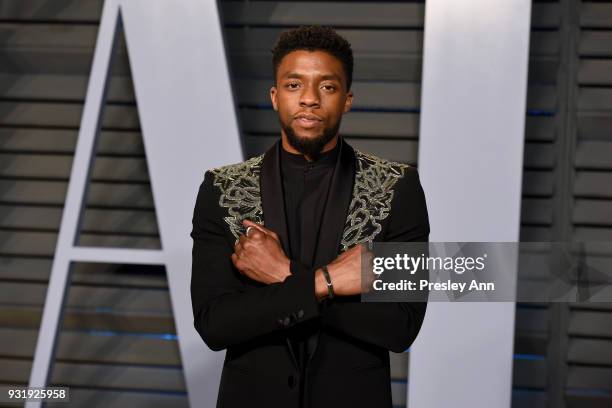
311	147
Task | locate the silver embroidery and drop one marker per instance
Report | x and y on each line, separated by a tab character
371	201
239	185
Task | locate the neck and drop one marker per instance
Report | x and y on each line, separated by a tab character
287	146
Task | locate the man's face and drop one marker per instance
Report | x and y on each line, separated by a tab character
310	97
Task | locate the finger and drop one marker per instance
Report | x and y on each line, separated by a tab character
274	235
259	227
345	254
238	264
243	238
256	234
235	260
249	223
241	247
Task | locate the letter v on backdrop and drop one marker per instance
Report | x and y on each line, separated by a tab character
188	122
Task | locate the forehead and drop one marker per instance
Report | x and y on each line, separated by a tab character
310	62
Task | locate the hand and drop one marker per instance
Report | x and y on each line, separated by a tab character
260	255
345	273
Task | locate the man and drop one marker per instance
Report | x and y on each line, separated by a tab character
276	261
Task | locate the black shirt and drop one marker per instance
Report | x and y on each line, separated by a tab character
305	190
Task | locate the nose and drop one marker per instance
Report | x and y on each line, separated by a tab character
309	97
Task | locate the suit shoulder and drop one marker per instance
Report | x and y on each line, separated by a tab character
366	161
239	167
245	168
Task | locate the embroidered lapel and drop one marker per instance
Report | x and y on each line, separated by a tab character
370	203
371	198
240	194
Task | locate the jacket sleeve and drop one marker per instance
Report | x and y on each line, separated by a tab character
393	326
227	310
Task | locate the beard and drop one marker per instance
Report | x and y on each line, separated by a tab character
310	146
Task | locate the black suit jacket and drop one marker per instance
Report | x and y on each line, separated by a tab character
370	199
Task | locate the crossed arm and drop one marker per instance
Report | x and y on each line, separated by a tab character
229	311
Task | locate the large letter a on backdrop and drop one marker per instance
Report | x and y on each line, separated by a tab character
188	124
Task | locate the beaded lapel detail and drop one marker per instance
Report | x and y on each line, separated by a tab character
373	191
240	194
370	204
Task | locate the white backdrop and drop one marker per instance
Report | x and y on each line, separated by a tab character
471	141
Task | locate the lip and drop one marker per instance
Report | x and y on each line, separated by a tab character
307	120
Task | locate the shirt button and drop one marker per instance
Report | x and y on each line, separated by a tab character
300	314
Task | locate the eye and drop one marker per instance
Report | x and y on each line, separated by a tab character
292	85
329	87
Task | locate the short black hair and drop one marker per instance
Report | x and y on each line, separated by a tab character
314	38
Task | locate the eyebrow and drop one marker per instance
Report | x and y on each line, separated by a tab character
296	75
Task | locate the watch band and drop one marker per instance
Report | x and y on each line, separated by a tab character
330	286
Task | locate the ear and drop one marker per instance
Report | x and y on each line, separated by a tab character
348	102
273	95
